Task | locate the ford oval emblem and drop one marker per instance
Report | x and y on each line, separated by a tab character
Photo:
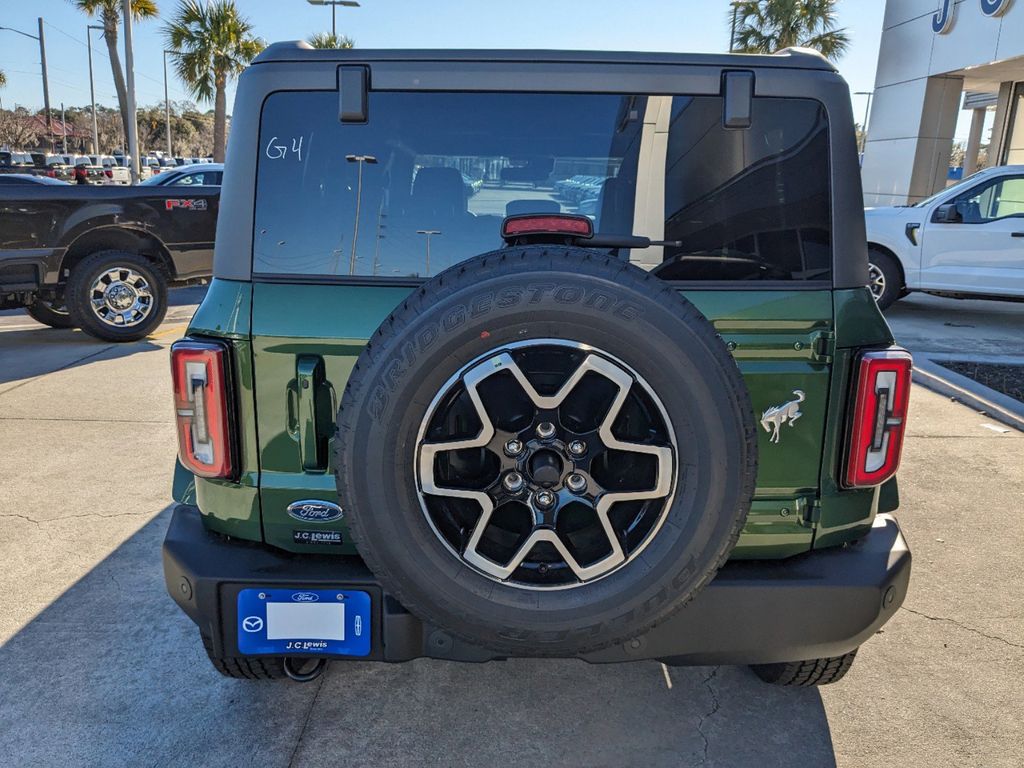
315	511
305	597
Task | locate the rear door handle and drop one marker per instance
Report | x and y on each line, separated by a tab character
1017	234
309	378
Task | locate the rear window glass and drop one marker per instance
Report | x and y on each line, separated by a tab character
426	182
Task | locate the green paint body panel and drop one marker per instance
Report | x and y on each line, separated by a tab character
295	346
231	508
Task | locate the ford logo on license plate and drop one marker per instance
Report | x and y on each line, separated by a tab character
315	511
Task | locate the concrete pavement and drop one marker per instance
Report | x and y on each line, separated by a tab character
97	666
926	323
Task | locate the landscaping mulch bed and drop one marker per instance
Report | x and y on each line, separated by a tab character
1008	379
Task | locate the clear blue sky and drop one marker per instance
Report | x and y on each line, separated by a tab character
642	25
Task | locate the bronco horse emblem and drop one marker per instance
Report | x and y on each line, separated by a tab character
778	415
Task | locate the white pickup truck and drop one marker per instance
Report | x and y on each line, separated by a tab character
965	241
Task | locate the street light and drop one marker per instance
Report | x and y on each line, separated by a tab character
334	5
92	90
381	226
167	106
867	111
42	62
362	160
429	233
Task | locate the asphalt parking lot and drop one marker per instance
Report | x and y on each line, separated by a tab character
926	324
98	667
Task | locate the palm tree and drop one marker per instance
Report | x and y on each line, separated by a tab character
767	26
213	43
3	79
110	12
325	40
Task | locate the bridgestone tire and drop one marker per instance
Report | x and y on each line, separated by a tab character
85	273
486	304
43	312
806	673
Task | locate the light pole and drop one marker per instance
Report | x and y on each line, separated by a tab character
362	160
867	112
42	61
167	106
129	67
381	226
92	90
429	233
334	5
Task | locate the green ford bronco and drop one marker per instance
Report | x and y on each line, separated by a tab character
533	353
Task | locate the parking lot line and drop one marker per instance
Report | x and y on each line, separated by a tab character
167	331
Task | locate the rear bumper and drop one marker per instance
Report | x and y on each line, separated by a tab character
819	604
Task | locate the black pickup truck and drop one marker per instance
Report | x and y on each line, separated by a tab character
102	258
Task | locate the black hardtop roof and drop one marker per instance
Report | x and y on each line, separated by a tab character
790	58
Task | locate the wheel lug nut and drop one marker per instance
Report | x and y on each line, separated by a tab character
576	483
545	430
514	447
513	482
545	499
577	447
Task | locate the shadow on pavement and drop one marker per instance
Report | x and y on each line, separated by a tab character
111	673
192	294
25	354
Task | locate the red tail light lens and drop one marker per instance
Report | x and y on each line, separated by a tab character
51	174
109	173
199	373
879	416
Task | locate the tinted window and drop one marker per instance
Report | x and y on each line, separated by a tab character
747	204
426	182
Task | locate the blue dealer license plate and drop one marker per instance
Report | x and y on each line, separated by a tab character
320	622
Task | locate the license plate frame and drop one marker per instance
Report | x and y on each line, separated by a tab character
311	622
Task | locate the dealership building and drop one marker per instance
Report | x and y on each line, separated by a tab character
937	59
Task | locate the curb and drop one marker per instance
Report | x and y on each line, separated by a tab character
1000	407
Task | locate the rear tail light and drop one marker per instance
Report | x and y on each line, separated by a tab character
879	416
199	372
51	174
109	173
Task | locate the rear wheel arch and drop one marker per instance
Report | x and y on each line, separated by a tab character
115	238
879	248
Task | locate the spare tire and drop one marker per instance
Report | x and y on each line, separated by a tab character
545	451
